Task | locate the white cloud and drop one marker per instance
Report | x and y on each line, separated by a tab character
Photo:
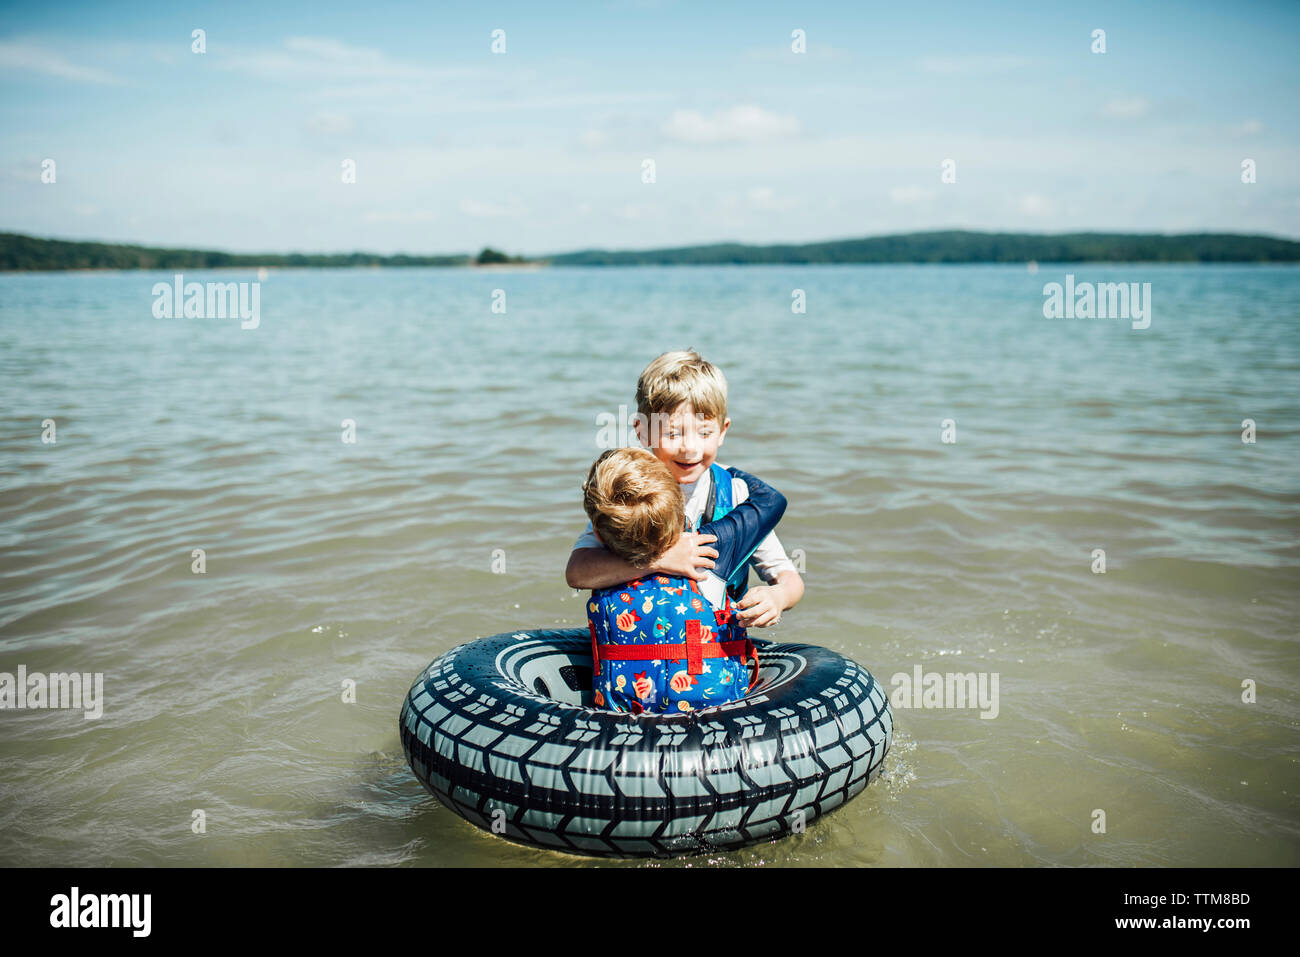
1127	108
740	124
765	199
782	52
483	210
973	64
761	199
1032	204
1248	128
306	58
593	139
636	212
35	59
330	124
401	216
910	195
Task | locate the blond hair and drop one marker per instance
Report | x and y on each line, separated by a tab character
635	505
678	377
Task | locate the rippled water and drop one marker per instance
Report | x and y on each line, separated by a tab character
329	561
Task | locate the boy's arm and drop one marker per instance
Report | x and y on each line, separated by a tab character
763	604
596	568
690	557
741	530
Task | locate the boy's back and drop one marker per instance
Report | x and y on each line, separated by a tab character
663	642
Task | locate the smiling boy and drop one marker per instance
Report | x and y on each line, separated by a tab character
682	418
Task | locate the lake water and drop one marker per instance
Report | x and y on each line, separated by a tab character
329	562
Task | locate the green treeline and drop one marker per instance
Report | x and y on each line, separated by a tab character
965	247
19	252
26	252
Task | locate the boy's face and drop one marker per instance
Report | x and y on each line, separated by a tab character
685	442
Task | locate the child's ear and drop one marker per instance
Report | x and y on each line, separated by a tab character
638	425
722	432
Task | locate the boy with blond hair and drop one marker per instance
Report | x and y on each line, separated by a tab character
662	642
682	418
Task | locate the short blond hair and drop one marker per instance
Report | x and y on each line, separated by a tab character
635	505
675	378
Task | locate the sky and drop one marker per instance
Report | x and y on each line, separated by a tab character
542	148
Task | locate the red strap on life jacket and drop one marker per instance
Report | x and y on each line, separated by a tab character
751	652
694	649
675	652
727	614
743	649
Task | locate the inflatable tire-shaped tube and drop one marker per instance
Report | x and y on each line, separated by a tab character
502	731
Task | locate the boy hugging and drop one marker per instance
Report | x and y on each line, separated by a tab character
669	605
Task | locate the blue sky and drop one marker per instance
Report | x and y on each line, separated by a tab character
540	149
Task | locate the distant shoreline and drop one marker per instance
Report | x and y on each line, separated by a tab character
21	253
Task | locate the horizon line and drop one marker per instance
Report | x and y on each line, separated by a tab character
546	257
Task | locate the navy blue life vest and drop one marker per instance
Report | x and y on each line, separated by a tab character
719	502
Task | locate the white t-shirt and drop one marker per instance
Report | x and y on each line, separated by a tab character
769	559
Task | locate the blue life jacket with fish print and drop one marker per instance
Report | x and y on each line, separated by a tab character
659	645
657	642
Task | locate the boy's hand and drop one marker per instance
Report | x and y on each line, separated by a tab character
760	607
689	557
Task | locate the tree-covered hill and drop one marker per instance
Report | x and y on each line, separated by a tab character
964	247
18	252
